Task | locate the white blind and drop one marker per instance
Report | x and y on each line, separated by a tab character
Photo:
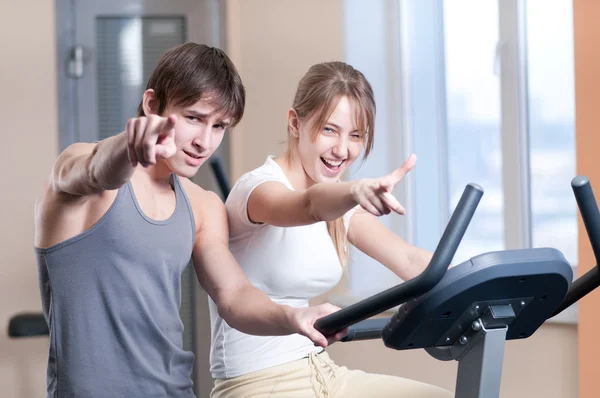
128	49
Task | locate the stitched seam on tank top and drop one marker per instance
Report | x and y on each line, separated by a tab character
282	173
55	345
53	332
246	218
224	331
84	234
189	207
149	220
270	177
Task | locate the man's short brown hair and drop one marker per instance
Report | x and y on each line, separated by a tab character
189	72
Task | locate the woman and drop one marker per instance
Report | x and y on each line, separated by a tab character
291	221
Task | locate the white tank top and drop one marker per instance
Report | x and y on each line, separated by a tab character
291	265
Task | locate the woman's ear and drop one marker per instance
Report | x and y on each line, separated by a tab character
293	123
149	102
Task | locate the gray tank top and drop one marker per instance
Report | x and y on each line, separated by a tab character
111	297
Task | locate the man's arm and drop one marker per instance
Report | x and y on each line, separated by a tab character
86	169
374	239
239	303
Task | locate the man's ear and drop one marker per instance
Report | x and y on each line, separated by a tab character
149	102
293	123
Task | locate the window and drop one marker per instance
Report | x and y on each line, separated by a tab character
483	92
473	119
551	105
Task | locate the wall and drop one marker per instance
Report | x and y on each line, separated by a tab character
28	109
273	42
587	87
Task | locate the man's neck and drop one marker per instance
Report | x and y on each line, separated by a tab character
158	175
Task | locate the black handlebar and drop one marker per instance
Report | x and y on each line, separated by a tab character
27	325
588	208
584	195
442	257
217	167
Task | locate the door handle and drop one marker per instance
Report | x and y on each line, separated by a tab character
76	61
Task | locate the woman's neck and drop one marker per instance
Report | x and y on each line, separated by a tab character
291	164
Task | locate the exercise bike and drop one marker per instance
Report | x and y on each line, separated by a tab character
467	312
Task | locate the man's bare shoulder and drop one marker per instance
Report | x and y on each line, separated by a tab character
59	216
79	148
204	203
198	194
75	149
52	203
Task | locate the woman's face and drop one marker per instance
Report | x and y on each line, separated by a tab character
337	145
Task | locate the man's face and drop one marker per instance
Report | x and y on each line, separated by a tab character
199	131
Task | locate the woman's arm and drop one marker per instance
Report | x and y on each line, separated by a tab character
374	239
273	203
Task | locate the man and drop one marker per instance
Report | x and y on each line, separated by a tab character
117	224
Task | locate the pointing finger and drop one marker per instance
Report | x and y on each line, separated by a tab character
392	203
371	209
398	174
167	128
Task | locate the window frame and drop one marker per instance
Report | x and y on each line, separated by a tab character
406	20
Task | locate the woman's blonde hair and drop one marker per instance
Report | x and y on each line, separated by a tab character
318	93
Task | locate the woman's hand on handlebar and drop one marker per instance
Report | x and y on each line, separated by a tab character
304	319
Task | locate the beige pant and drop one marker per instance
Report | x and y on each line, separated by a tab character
317	376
